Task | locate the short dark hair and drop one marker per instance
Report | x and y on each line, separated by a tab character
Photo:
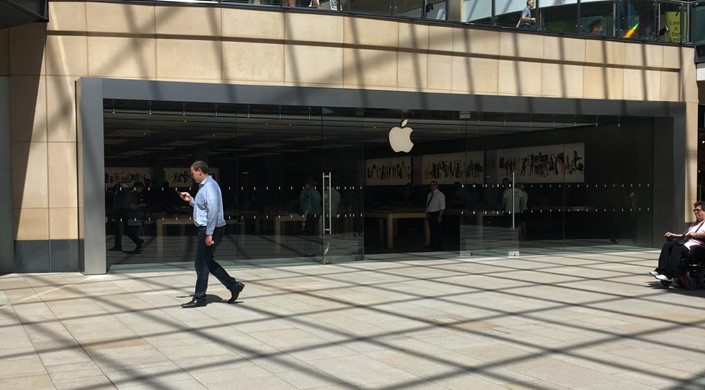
200	166
699	203
596	22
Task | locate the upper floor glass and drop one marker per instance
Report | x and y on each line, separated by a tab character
668	21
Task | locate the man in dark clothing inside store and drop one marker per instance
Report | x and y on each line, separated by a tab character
435	205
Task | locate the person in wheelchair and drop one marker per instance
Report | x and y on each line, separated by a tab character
679	246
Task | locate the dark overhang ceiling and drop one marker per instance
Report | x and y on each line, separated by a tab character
17	12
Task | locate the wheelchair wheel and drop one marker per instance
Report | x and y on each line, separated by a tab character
666	283
700	277
690	282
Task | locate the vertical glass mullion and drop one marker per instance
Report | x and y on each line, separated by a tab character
493	17
578	24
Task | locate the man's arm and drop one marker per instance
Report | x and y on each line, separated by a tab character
526	16
186	197
212	208
441	205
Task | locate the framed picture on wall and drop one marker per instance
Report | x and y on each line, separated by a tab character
126	175
176	177
181	177
448	168
543	164
388	171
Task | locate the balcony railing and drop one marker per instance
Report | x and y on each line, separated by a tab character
667	21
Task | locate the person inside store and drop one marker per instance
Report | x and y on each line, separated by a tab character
121	203
135	215
679	246
435	206
209	218
513	205
460	196
311	208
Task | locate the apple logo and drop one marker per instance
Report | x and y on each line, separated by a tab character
400	138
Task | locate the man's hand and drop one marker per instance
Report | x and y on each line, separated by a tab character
209	240
185	196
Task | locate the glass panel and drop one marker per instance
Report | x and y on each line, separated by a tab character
279	167
410	8
468	11
571	198
378	7
513	183
637	20
558	15
436	9
697	25
508	13
672	22
343	156
404	153
597	18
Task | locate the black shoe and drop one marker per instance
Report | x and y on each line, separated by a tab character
236	292
115	248
194	303
139	245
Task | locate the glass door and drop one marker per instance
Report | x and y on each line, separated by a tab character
342	181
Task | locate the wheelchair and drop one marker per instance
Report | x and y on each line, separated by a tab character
691	270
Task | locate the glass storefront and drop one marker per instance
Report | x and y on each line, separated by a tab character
513	183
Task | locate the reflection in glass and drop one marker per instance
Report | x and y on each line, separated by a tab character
672	22
476	12
577	175
598	18
697	22
645	20
558	16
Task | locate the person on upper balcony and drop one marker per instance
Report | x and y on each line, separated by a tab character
527	20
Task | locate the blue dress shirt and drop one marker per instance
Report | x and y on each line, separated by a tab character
208	206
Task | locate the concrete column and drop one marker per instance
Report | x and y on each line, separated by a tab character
7	245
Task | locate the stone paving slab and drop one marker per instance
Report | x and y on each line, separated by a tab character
583	321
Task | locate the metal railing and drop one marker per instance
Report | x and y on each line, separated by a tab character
666	21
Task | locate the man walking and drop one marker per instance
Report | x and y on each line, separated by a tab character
209	217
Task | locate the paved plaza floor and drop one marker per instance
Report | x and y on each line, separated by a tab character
569	321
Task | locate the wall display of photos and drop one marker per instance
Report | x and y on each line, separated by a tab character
129	175
448	168
176	177
388	171
543	164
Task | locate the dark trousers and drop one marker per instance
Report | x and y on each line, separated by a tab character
670	258
435	228
507	219
120	225
205	264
